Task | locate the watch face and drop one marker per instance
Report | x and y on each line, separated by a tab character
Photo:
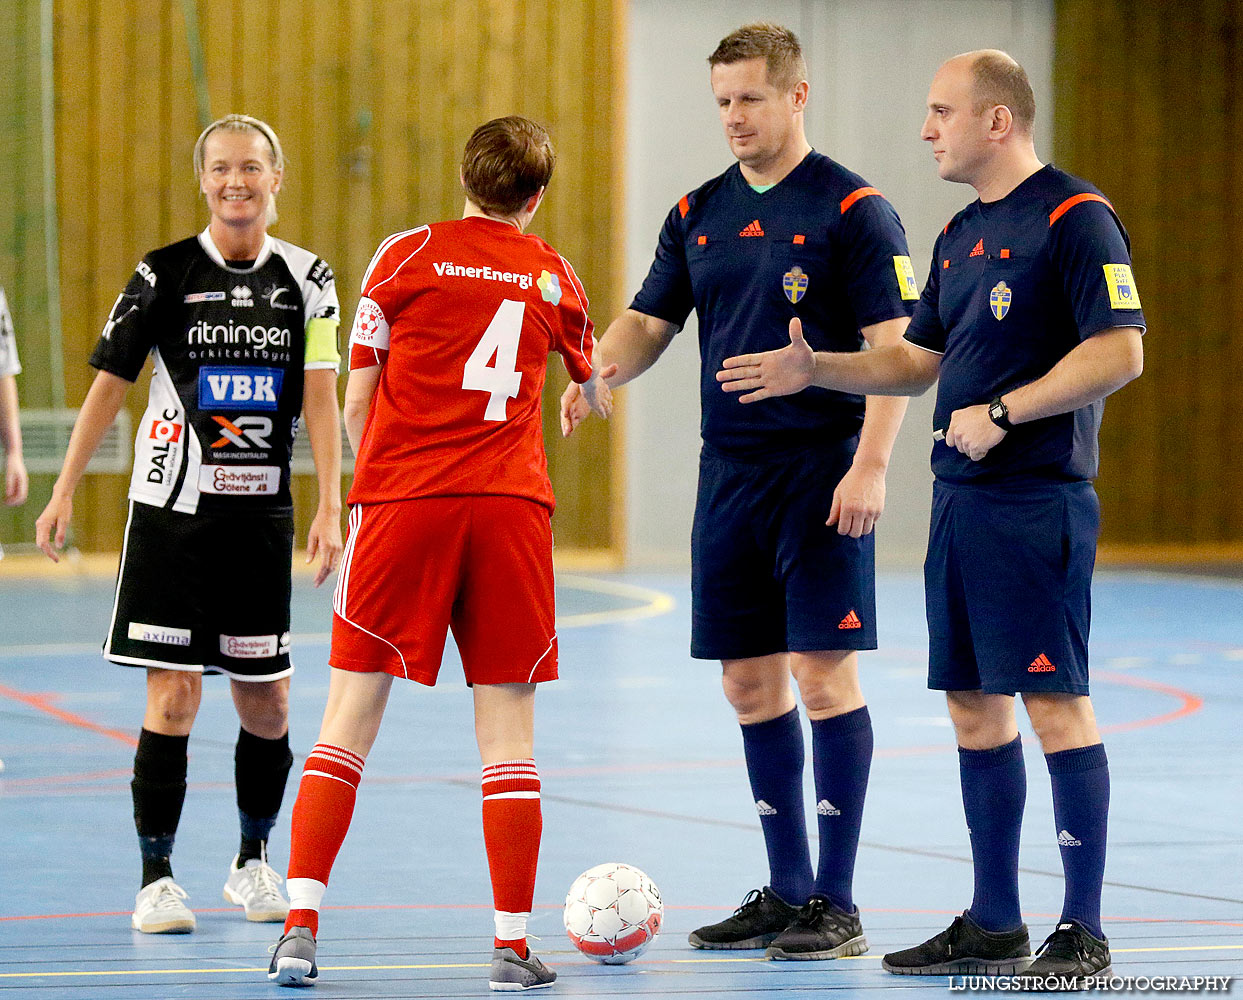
997	411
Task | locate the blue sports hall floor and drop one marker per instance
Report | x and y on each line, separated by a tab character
641	762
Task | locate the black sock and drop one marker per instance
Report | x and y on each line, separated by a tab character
159	791
260	770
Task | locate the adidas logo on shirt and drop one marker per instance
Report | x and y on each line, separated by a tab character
826	808
764	809
753	228
977	250
1066	839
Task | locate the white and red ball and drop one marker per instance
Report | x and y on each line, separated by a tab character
612	913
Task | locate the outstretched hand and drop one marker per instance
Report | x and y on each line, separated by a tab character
597	393
772	373
592	396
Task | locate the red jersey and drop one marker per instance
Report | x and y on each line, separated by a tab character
462	316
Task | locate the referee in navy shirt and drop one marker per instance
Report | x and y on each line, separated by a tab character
782	577
1030	318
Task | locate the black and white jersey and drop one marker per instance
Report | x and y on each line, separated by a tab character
9	365
230	345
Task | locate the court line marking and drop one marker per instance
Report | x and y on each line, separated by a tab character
432	966
651	604
1191	703
42	704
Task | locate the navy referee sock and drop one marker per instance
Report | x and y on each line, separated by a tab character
774	753
1081	808
841	761
994	791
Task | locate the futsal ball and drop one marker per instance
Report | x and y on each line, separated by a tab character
612	913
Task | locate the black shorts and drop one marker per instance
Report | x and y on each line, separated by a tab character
1008	584
204	593
767	574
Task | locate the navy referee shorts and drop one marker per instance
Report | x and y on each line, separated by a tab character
1008	583
767	575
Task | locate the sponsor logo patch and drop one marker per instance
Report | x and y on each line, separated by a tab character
1122	291
165	430
194	297
367	324
907	285
999	299
239	335
248	647
794	284
320	273
243	432
448	269
239	480
276	298
159	633
247	388
242	296
144	270
549	287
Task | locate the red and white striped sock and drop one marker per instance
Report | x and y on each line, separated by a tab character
321	819
512	824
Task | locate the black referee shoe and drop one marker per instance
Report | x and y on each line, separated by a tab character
755	924
1068	956
819	931
964	948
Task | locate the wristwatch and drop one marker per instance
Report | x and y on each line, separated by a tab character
999	414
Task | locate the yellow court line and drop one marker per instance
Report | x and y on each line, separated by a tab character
654	602
479	965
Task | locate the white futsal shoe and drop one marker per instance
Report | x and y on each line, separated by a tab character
158	909
256	887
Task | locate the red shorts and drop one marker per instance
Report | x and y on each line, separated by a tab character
479	565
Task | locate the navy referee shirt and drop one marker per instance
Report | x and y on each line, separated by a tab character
1015	285
823	245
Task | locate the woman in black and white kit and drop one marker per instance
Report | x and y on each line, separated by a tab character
241	329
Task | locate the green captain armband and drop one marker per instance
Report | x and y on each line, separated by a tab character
321	343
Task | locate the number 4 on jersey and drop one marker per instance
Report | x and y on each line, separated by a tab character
500	340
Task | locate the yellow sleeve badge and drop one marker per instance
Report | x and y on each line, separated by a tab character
906	278
1122	291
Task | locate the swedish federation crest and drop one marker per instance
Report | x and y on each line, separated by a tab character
999	299
794	284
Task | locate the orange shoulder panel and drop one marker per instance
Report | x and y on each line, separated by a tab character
1070	203
856	194
684	205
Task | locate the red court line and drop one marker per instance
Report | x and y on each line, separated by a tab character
42	704
1190	703
83	778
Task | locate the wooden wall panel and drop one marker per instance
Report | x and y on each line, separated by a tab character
1148	108
22	271
373	101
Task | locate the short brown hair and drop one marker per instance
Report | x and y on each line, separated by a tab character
506	161
778	46
997	79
